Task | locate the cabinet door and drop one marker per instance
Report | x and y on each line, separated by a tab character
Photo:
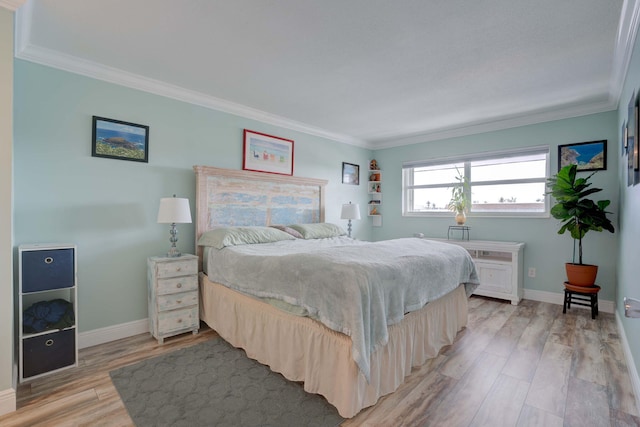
495	277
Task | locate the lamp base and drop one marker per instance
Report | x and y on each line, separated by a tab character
173	251
349	228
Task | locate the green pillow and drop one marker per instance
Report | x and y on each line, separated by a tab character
320	230
233	236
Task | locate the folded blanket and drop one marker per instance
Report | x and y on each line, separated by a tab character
43	315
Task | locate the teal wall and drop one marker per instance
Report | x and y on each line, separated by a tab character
628	277
108	207
545	249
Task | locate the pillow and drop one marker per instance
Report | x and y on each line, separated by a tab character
233	236
288	230
318	230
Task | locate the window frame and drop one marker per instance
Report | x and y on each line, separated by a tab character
466	160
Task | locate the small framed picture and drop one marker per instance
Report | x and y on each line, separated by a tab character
115	139
350	173
589	156
267	153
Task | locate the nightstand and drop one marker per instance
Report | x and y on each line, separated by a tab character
173	296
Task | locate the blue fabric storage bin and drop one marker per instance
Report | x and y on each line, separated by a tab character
43	270
48	352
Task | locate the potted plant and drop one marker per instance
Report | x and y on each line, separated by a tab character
459	202
579	215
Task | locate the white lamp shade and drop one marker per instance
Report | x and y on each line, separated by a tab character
350	211
173	209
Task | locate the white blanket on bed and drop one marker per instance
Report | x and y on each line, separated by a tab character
353	287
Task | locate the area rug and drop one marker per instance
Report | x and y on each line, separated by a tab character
215	384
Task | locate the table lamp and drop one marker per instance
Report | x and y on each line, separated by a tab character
174	210
350	211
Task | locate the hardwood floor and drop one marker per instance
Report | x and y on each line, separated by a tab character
525	365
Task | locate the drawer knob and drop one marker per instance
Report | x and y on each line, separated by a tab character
179	320
48	342
178	268
179	301
179	285
48	260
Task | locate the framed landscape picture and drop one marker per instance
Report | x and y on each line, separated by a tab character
589	156
116	139
267	153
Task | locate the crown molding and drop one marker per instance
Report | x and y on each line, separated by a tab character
72	64
524	119
12	4
625	43
629	20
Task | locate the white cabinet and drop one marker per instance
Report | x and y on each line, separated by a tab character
47	309
500	267
173	295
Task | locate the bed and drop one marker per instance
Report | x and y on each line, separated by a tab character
352	362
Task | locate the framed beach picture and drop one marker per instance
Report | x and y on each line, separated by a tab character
116	139
350	173
267	153
589	156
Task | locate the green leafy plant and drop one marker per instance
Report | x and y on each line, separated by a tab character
459	195
578	213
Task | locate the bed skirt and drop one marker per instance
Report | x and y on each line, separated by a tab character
302	349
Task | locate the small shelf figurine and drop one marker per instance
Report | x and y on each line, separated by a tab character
374	165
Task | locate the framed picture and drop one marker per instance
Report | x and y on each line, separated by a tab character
589	156
636	146
116	139
267	153
631	139
350	173
623	133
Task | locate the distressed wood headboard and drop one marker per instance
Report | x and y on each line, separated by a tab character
227	197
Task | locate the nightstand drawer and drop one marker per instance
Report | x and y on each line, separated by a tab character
173	301
177	284
176	268
175	320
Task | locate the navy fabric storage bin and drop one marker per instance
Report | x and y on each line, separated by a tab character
48	352
47	269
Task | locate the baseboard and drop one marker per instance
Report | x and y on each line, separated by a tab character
633	372
558	298
7	401
112	333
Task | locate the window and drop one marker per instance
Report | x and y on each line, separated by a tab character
508	183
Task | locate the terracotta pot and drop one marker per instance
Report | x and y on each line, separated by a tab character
581	274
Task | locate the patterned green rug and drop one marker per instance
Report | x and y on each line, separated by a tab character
215	384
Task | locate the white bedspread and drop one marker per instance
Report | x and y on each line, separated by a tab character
353	287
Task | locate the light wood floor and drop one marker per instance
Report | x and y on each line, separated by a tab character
526	365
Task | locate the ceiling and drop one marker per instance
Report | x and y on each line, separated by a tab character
373	73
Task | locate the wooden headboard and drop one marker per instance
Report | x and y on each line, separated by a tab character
227	197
